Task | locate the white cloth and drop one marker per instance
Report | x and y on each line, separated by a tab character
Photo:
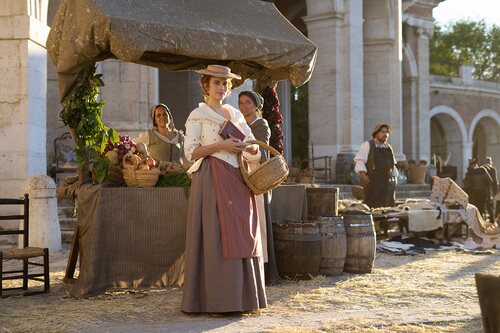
362	157
202	129
424	220
259	200
144	138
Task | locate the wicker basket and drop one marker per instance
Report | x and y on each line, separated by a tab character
268	175
141	178
358	192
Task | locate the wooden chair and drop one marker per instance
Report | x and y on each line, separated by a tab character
24	253
324	167
65	161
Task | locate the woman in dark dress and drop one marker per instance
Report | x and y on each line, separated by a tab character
223	260
251	104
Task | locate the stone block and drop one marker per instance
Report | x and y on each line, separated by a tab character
13	7
13	84
14	27
14	165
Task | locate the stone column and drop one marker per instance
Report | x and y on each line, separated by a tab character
410	81
130	90
23	66
44	219
336	86
382	69
423	100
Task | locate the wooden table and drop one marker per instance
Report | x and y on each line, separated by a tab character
127	238
386	219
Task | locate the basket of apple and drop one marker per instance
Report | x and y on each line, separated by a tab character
139	171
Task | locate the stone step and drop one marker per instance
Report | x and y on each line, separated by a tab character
66	236
67	223
65	211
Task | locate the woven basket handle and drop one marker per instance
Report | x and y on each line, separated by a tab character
264	145
243	170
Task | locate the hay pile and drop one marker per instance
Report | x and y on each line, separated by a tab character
424	293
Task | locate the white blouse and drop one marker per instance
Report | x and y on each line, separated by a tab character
202	128
144	138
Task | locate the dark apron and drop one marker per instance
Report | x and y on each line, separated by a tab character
380	191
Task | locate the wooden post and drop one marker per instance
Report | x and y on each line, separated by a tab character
488	290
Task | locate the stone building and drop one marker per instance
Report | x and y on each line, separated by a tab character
372	66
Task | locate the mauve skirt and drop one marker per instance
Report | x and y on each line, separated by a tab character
212	283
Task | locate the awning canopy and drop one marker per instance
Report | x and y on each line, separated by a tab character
250	36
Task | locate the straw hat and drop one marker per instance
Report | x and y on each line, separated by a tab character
378	127
219	71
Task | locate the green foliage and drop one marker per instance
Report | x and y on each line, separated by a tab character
466	42
180	179
82	112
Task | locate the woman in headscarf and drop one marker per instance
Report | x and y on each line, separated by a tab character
164	142
251	104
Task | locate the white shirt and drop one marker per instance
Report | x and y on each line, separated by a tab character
202	128
362	157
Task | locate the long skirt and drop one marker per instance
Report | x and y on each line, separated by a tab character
212	283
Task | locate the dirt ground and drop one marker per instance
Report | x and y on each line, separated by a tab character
432	292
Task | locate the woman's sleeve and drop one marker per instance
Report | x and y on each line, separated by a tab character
182	141
192	137
142	138
248	136
262	132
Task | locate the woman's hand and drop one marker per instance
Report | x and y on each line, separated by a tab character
252	149
233	145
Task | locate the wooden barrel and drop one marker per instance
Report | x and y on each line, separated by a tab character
333	245
297	248
361	243
322	201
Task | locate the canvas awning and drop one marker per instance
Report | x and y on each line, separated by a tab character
250	36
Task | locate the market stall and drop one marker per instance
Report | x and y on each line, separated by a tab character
129	238
256	41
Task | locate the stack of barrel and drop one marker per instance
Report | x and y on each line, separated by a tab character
326	243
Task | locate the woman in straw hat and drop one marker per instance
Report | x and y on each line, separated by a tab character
164	142
223	259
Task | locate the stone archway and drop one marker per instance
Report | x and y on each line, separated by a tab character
484	134
449	137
